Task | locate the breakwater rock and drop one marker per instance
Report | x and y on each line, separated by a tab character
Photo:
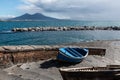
64	28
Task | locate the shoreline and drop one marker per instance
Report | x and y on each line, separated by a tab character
29	53
28	64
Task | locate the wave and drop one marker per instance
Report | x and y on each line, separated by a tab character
6	32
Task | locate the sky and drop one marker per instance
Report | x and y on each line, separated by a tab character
63	9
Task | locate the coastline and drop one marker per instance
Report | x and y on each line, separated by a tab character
36	68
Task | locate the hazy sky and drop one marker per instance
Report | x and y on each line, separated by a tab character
69	9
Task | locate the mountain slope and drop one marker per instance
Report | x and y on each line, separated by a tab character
36	16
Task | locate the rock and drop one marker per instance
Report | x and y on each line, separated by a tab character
24	29
14	29
64	28
29	29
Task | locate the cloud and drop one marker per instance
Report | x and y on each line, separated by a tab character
4	17
75	9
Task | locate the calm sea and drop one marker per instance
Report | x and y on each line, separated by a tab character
55	37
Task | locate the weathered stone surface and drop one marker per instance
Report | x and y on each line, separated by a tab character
8	76
24	48
9	48
35	47
24	74
5	60
21	57
1	49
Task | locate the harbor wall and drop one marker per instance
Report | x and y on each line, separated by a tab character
10	55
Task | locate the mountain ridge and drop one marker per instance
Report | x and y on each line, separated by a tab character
32	17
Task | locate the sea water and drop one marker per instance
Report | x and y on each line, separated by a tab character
55	37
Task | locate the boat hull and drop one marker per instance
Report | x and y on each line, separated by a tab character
63	58
72	56
89	75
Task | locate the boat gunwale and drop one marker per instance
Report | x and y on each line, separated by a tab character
70	56
86	69
73	56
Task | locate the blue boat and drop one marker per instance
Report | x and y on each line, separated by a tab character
74	55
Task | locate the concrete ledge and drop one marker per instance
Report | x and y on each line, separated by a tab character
20	54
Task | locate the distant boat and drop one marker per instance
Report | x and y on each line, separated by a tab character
74	55
93	73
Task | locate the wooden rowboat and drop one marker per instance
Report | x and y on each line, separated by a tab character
72	54
90	73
